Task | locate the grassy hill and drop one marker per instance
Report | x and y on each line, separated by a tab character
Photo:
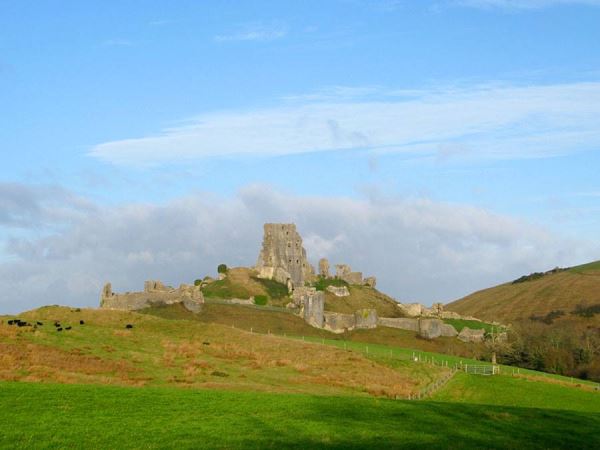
187	353
538	295
283	322
243	283
191	382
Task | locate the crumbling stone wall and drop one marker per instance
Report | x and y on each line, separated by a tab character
401	323
448	330
311	304
324	268
344	272
155	293
430	328
338	322
366	318
469	335
341	291
282	257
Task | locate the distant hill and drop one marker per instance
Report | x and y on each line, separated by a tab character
558	294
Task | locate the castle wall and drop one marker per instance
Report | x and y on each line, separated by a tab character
339	323
400	323
155	293
366	318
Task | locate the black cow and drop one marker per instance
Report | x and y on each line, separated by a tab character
10	322
40	323
206	343
59	329
56	324
68	328
81	322
129	326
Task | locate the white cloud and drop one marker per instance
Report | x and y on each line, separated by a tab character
419	249
254	33
496	121
523	4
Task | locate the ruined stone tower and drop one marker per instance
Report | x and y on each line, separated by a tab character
282	257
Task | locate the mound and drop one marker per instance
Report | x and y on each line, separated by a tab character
362	297
243	283
572	293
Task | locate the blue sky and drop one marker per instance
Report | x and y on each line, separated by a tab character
472	108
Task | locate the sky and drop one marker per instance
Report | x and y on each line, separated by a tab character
443	146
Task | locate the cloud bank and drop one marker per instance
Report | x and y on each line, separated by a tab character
494	121
419	249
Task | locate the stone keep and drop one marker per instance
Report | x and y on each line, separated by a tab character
282	257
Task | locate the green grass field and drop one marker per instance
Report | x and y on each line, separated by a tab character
509	391
35	415
459	324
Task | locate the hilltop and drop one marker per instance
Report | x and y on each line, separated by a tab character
559	294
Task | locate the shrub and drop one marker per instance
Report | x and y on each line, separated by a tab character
586	311
260	300
548	318
222	268
197	282
275	289
322	283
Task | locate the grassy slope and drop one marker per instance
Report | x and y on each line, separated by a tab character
559	291
158	352
362	297
59	416
237	284
459	324
508	391
263	321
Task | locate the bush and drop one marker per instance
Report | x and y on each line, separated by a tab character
222	268
197	282
548	318
586	311
322	283
275	289
260	300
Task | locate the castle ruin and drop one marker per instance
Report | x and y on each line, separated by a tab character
282	257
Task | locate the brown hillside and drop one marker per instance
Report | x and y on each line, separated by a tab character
96	347
561	291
